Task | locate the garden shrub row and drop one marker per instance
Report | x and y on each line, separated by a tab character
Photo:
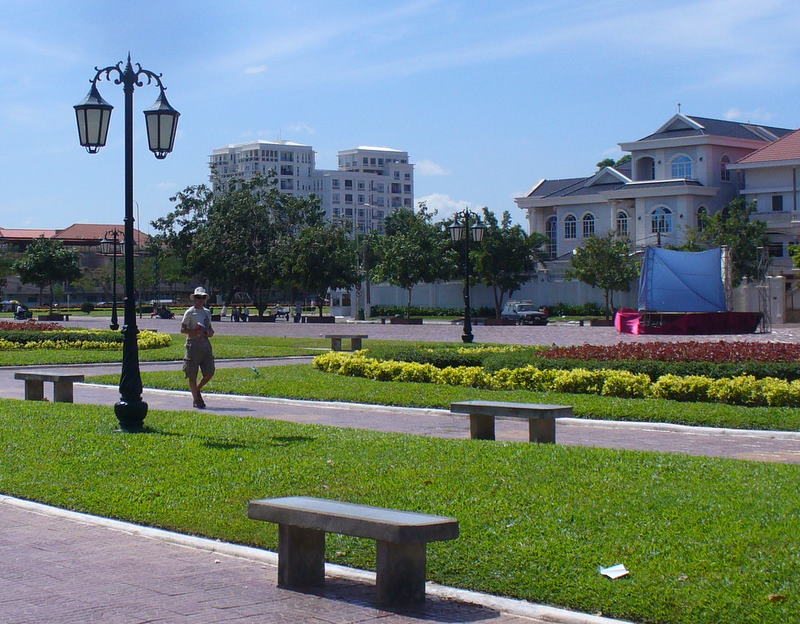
789	371
742	390
387	310
691	350
706	361
82	339
66	335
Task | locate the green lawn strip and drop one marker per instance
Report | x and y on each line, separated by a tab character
224	347
301	381
707	540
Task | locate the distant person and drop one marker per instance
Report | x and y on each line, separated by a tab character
196	324
235	314
298	313
245	314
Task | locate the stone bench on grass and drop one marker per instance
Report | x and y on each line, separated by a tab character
355	341
401	538
62	384
541	417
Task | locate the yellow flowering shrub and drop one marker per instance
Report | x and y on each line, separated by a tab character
742	390
147	339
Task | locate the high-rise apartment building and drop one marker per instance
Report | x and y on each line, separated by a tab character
369	184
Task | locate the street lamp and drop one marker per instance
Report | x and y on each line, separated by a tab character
93	115
466	225
109	246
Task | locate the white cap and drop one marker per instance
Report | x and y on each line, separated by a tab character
200	292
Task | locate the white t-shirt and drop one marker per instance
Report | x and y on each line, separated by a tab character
194	317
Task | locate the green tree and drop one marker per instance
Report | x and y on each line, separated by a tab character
45	262
506	257
606	162
319	258
604	262
413	250
743	235
232	238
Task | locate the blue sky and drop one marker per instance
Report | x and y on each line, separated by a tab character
486	96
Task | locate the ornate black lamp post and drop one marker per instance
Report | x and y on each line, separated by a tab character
466	225
109	246
93	116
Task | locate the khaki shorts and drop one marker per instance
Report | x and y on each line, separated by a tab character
198	357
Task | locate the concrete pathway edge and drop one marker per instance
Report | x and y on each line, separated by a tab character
611	424
258	555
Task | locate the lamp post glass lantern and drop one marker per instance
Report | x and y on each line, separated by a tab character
93	115
466	225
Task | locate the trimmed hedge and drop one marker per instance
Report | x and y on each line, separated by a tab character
67	335
790	371
90	339
740	390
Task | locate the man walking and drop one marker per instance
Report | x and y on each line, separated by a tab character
196	324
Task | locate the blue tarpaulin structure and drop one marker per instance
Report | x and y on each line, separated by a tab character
682	281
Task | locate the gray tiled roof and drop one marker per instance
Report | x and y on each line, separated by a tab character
719	127
551	187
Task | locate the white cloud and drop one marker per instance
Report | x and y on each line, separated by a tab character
757	115
429	168
166	186
444	205
612	152
301	127
255	69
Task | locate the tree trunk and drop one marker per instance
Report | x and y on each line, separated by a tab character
608	310
408	303
52	295
498	301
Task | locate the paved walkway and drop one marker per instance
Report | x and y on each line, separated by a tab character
67	570
761	446
554	333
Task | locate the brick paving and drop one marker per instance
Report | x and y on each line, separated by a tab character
60	571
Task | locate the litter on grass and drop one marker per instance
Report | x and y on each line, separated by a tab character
615	571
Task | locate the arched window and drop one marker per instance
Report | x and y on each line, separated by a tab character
661	221
551	232
570	227
702	214
724	174
681	167
645	168
622	223
588	225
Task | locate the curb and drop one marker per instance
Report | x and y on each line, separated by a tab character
258	555
608	424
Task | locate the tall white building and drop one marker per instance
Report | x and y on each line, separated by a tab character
370	182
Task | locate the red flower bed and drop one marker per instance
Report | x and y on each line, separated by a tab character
721	351
28	326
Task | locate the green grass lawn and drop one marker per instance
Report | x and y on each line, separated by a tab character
224	347
303	382
706	540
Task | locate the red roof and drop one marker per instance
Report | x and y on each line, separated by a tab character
26	234
785	148
75	232
94	231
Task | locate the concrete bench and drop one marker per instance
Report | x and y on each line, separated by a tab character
401	538
62	383
355	341
541	418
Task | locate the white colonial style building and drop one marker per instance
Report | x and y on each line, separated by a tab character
677	173
369	183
